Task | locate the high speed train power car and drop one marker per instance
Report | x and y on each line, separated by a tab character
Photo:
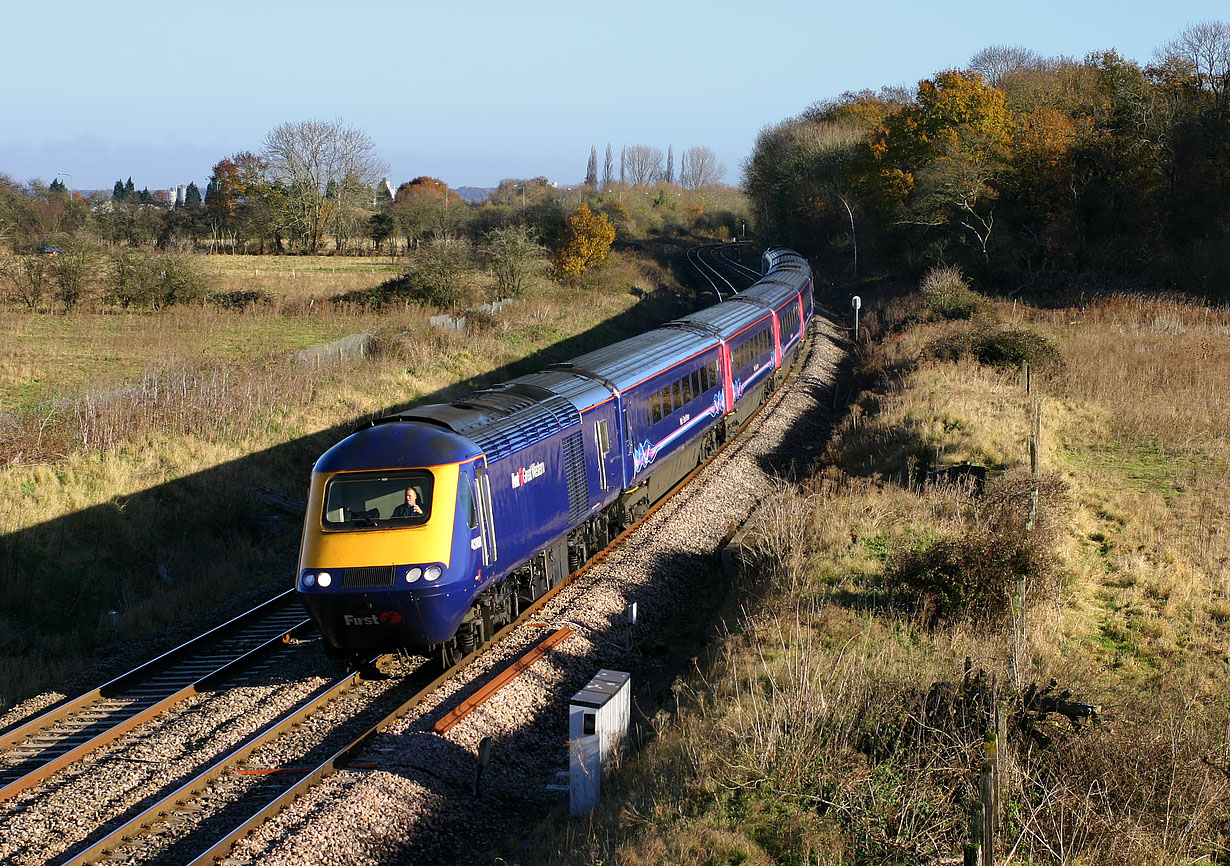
431	528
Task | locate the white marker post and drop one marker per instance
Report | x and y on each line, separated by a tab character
857	303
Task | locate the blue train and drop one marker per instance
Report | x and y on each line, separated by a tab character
431	528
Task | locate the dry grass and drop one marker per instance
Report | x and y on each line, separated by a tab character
807	735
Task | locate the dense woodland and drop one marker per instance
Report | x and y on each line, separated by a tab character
1046	174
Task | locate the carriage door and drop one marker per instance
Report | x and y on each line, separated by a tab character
602	443
777	340
486	521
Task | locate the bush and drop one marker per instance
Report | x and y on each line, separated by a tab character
974	576
152	281
946	294
440	274
240	299
997	348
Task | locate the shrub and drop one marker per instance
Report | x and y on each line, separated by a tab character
997	348
440	274
947	295
973	576
240	299
152	281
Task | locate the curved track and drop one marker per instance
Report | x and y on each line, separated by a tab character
715	265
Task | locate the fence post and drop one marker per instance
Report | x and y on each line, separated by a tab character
987	798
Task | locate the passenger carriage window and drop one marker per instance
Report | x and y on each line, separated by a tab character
687	390
704	378
656	404
697	390
675	392
667	408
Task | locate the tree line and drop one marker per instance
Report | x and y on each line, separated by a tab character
317	187
1035	172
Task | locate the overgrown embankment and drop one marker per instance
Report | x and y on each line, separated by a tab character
890	608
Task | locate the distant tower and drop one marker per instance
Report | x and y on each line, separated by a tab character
181	194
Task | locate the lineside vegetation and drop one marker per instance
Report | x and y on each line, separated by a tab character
839	715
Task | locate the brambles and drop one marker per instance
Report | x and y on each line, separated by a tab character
147	280
974	575
997	347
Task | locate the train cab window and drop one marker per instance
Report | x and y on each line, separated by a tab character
375	500
465	501
655	402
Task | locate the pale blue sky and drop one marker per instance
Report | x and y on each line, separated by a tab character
475	92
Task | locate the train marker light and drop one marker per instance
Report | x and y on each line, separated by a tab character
309	579
413	574
433	572
324	579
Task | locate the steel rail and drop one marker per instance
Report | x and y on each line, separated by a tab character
707	271
21	730
139	712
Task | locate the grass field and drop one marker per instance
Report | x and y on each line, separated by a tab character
833	720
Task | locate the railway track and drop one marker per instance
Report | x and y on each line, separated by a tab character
714	265
159	830
40	747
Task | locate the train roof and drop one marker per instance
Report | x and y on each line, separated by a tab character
725	319
583	392
392	446
770	292
499	420
629	362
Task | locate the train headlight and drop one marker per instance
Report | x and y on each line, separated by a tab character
324	579
413	574
309	579
433	572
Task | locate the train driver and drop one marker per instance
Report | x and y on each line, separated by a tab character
411	507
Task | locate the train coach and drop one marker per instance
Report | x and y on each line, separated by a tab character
431	528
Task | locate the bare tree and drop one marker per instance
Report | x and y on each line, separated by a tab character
307	159
644	164
623	164
699	167
608	169
669	174
1203	51
999	62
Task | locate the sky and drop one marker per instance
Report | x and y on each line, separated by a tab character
474	92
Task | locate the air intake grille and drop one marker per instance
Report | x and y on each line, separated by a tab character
576	476
371	577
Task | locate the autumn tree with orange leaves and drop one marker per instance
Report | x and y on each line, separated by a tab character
586	242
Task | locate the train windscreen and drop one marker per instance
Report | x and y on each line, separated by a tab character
385	500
